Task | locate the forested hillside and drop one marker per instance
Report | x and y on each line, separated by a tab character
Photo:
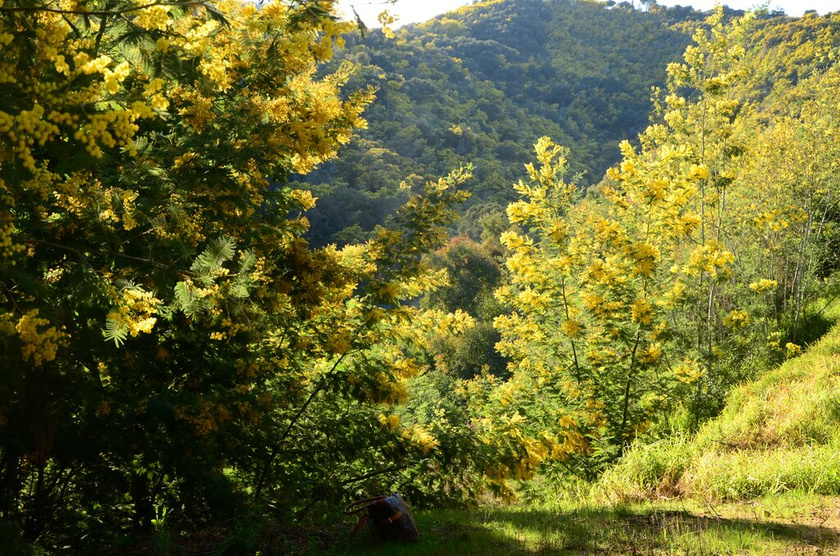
481	85
182	369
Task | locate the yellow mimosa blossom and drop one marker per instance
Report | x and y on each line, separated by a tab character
651	353
764	285
641	311
418	436
390	422
792	350
737	318
571	328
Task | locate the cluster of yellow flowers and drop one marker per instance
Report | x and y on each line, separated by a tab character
515	330
651	353
521	212
42	181
534	454
338	343
78	192
390	422
675	294
206	418
737	318
609	272
764	285
231	329
536	301
154	92
195	40
37	346
688	372
51	37
680	226
8	249
641	311
196	108
772	220
26	129
792	350
646	257
153	17
654	191
571	328
180	222
609	232
215	68
523	266
384	388
698	172
419	437
127	198
712	258
308	101
72	58
114	78
110	129
135	311
598	305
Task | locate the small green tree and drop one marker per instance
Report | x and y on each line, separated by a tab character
473	275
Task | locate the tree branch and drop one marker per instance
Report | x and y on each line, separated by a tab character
275	449
374	474
31	9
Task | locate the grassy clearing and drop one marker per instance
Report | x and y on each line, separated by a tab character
791	524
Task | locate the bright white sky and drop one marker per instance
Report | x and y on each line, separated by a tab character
412	11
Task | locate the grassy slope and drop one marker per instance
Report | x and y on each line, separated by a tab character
779	433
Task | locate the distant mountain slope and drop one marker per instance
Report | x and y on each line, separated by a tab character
481	85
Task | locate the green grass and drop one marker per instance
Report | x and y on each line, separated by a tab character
792	524
777	434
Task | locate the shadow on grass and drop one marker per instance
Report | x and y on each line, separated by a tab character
445	538
599	531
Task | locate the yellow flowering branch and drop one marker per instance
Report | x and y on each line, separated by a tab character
187	3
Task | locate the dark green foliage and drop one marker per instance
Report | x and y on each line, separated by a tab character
474	352
474	274
482	84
